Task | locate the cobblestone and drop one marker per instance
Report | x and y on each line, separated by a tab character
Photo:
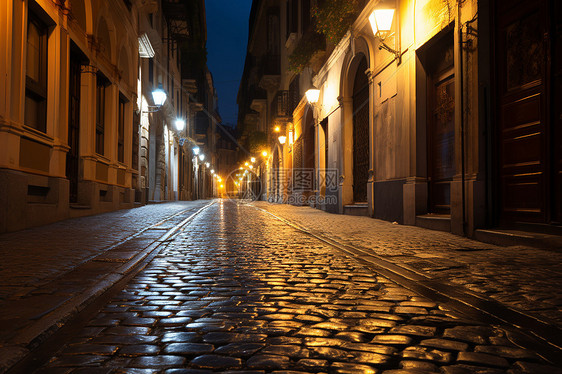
253	285
48	273
525	278
37	256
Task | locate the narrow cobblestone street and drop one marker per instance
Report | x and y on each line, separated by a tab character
237	290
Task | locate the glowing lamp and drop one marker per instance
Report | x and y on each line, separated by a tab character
159	96
207	164
180	124
381	22
277	129
202	157
264	153
196	151
282	139
312	95
253	159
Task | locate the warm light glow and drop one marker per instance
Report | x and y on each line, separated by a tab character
251	167
207	164
381	21
219	179
282	139
202	157
312	95
246	163
222	185
277	129
291	137
159	96
253	159
180	124
212	171
196	151
264	153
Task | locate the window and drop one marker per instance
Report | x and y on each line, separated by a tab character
150	70
100	114
36	74
121	129
292	17
305	15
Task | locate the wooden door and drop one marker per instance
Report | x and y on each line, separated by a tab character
522	126
360	133
73	155
441	140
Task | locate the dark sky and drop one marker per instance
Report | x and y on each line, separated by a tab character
227	37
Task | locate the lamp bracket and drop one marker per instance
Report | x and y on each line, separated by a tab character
396	53
152	109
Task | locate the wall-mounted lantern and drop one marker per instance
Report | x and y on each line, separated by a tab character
381	23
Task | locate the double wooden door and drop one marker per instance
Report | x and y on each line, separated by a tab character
528	111
441	125
361	150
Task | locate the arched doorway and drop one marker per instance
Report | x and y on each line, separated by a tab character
360	133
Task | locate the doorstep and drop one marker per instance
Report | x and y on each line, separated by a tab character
509	237
359	209
433	221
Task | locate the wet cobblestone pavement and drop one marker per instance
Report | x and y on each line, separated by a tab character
239	291
525	278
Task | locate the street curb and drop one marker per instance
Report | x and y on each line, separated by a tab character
30	337
529	331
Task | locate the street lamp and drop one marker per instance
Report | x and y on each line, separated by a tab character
264	153
312	95
207	164
202	157
282	139
196	151
253	159
159	96
381	23
180	124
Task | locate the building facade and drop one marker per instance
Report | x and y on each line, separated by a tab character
444	119
79	131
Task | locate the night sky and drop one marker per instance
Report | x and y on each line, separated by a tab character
227	37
